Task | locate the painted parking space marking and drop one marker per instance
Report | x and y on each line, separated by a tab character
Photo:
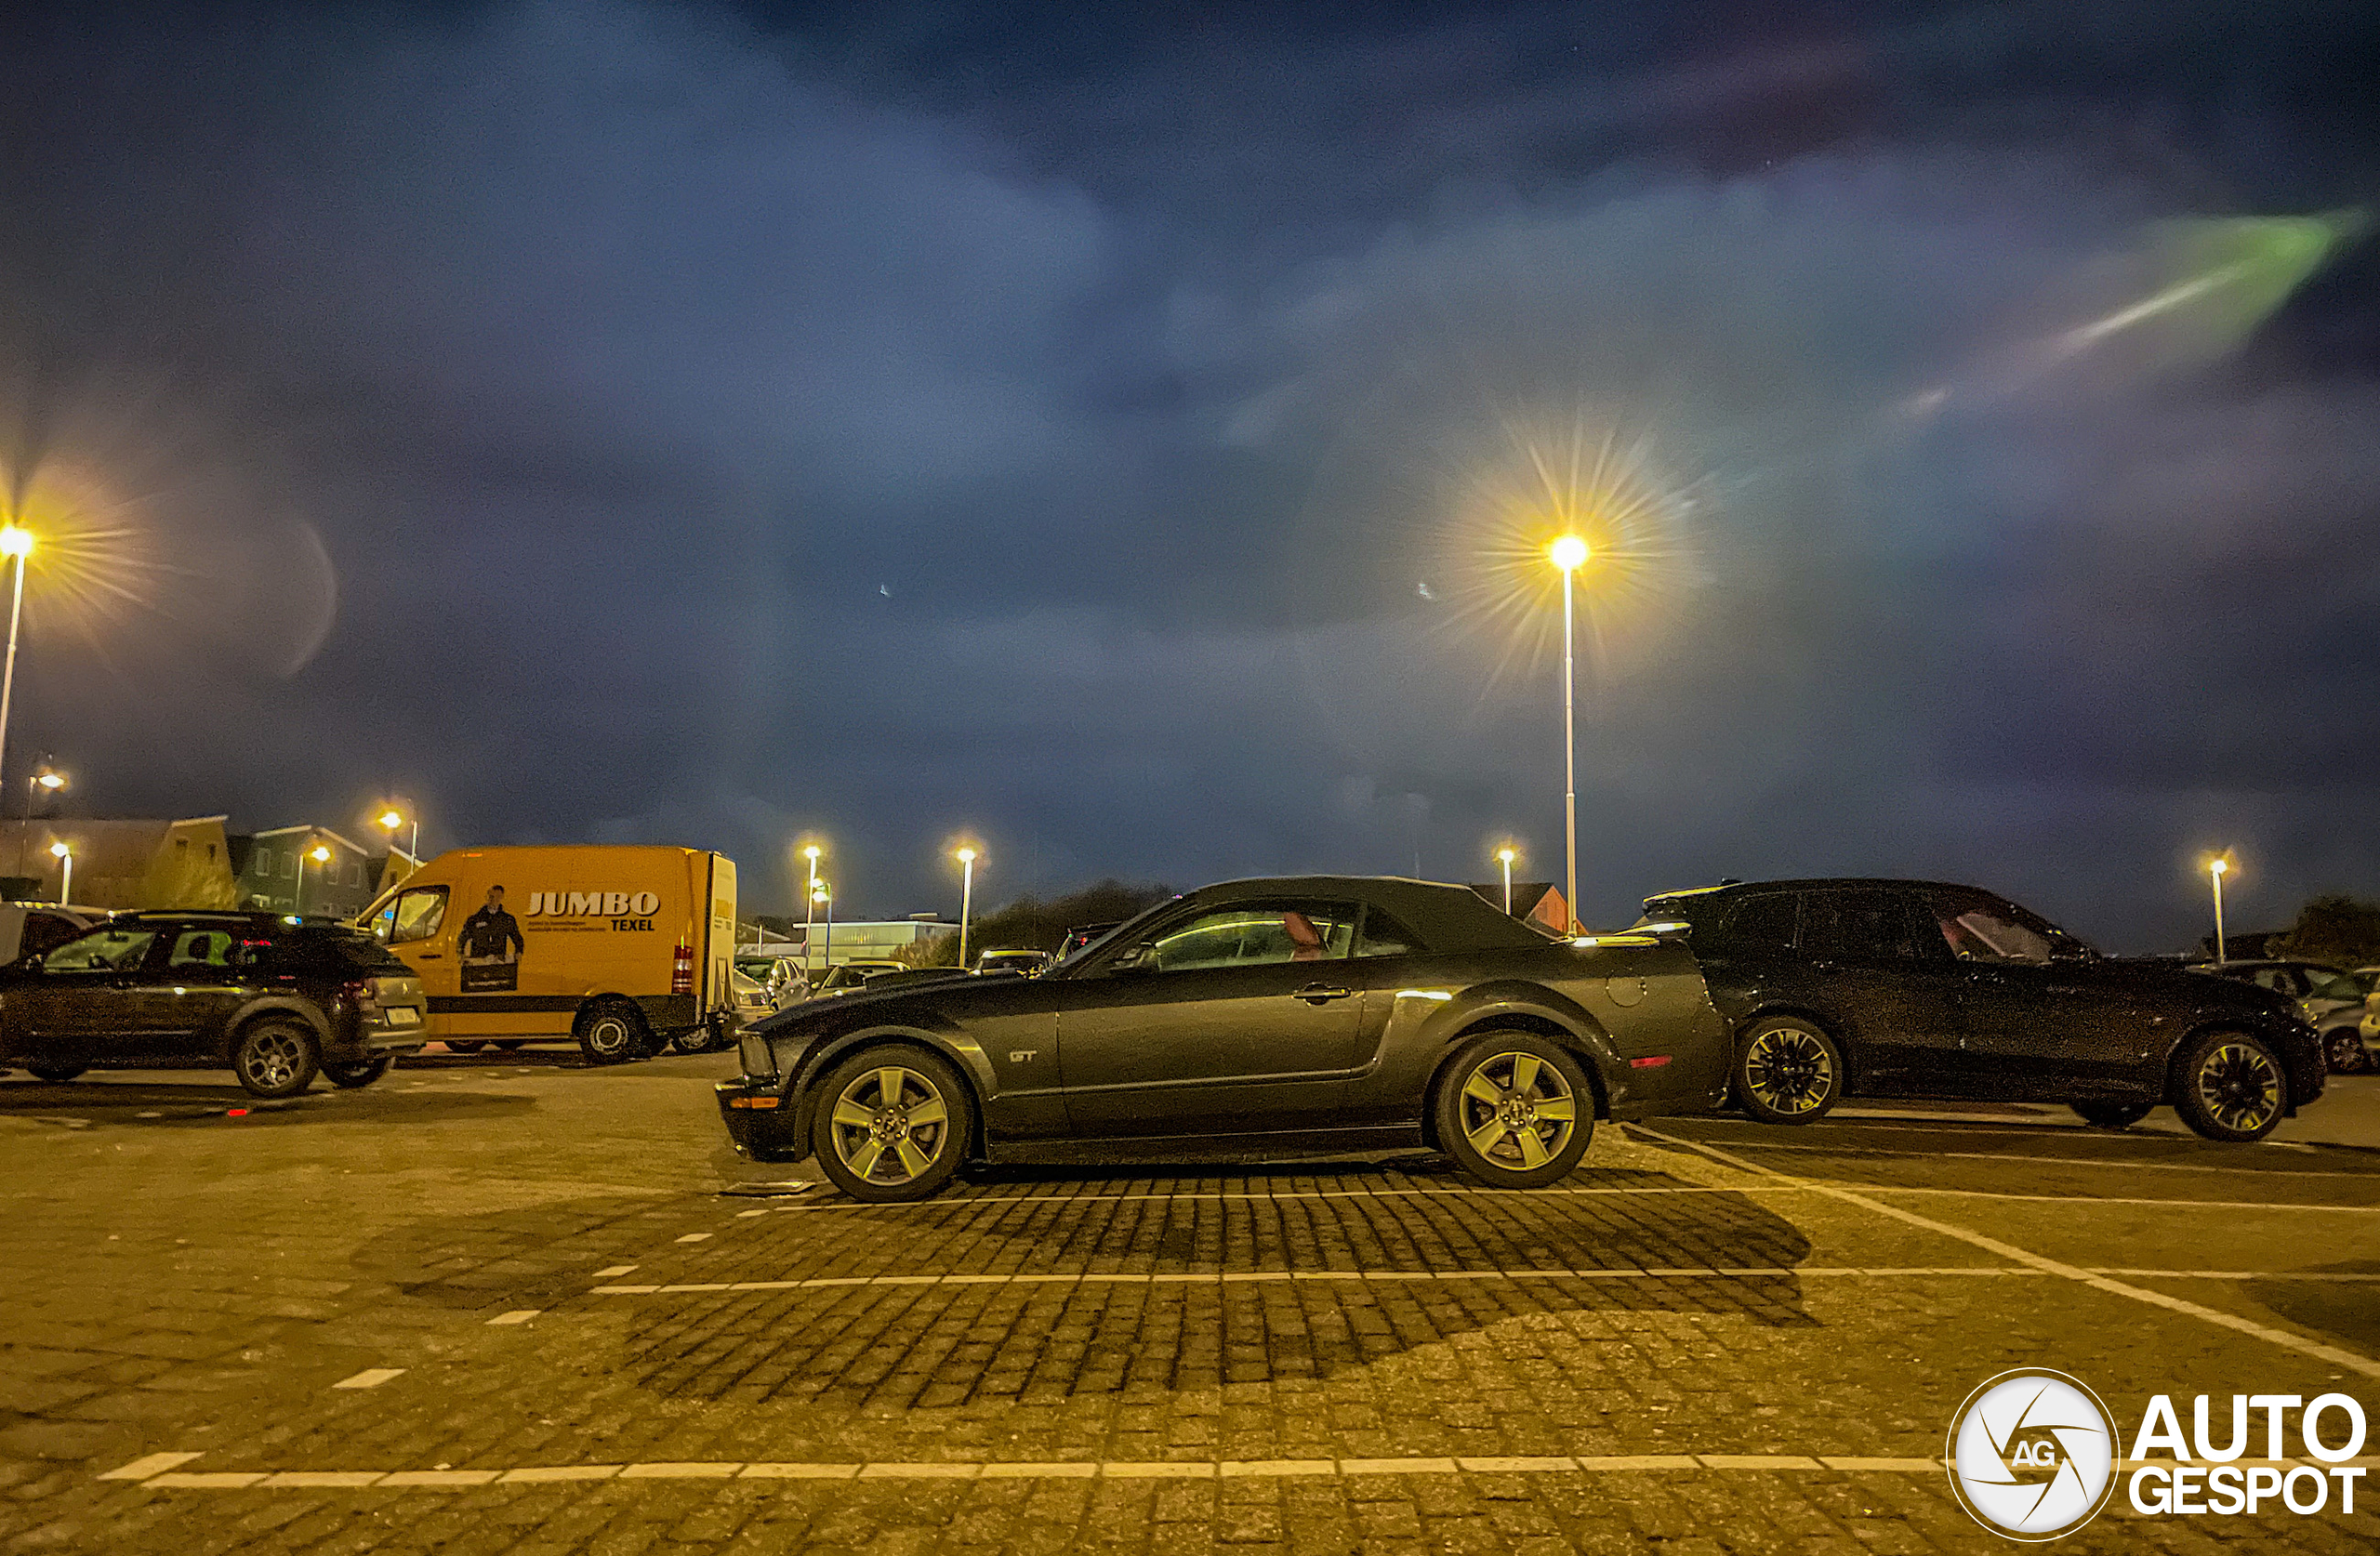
519	1316
696	1237
370	1377
148	1465
1239	1277
1820	1183
1191	1470
2020	1159
2365	1365
615	1271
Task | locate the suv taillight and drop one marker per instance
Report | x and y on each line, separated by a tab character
359	992
681	969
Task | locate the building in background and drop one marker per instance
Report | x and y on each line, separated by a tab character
864	940
119	865
278	871
1533	900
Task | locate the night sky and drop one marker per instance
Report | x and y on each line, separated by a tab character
1128	434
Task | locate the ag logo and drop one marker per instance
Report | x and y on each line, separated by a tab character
2032	1455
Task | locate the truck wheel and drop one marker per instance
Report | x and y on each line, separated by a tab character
56	1073
274	1057
610	1032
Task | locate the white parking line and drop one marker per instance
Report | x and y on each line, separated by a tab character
1233	1277
370	1377
2019	1160
613	1272
2366	1365
519	1316
1822	1183
696	1237
147	1465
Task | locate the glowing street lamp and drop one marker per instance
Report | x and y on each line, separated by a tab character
16	543
2216	868
65	857
822	896
44	777
966	857
809	910
393	819
1504	856
1570	553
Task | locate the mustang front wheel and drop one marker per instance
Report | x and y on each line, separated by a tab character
891	1124
2230	1088
1788	1072
1514	1111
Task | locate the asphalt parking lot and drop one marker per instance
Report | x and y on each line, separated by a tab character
508	1303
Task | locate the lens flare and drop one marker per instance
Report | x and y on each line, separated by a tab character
90	560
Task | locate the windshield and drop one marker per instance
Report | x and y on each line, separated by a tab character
1089	948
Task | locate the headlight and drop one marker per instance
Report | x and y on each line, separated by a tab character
760	1061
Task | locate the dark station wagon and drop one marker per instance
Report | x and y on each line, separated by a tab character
275	998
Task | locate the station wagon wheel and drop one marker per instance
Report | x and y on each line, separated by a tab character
892	1124
2230	1088
1514	1111
1788	1072
274	1057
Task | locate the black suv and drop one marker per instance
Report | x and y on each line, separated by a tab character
1899	988
276	998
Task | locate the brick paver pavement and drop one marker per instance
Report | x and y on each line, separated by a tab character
568	1325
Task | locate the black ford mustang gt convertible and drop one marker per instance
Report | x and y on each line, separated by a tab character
1299	1016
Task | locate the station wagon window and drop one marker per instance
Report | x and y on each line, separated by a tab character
1254	935
1765	921
108	950
415	914
196	950
1986	933
1861	925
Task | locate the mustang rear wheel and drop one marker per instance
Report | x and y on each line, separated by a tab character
891	1124
1514	1111
274	1057
1788	1072
2230	1088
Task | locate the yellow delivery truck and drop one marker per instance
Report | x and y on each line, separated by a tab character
622	948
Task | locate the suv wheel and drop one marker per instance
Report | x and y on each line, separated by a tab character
2110	1116
2230	1088
2342	1050
891	1124
1788	1072
56	1075
274	1057
612	1031
1514	1111
357	1073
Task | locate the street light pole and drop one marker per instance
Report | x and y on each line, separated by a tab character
2215	870
966	900
44	777
65	857
823	893
809	907
17	542
1569	554
1505	857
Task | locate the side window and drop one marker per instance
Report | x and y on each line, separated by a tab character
1863	926
44	931
106	950
1981	931
1257	935
1765	921
199	951
1384	936
415	915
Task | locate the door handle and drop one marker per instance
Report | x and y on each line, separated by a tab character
1320	994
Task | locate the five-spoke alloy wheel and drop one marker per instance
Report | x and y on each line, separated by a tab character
1514	1111
2230	1088
274	1057
1788	1072
892	1124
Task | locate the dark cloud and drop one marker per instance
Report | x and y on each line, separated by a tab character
1082	427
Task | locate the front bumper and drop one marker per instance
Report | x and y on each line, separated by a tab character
758	1119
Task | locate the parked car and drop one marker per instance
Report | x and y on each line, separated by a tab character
275	998
779	976
1030	963
2331	999
843	977
1082	935
1899	988
29	929
1254	1019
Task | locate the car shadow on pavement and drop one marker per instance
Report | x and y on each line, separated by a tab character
2348	1310
131	1105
